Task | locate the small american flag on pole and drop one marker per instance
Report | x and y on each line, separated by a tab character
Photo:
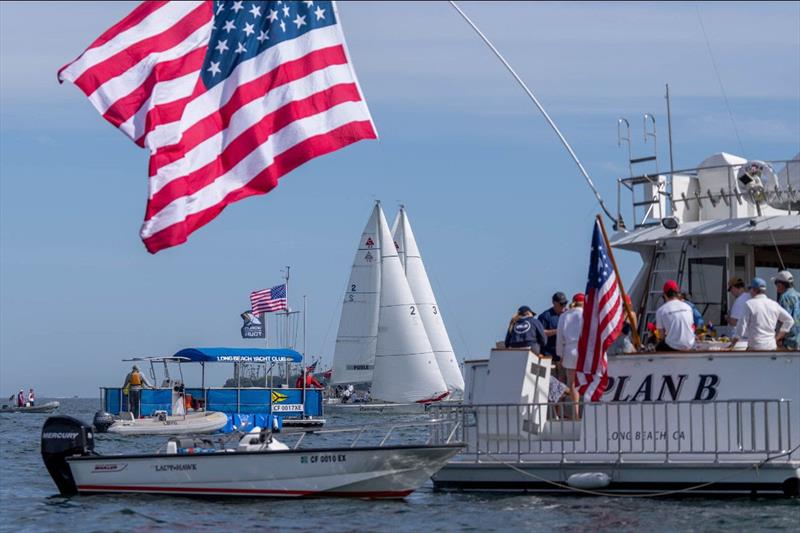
227	96
269	300
603	317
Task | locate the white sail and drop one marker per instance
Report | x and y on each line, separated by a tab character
405	367
354	356
406	246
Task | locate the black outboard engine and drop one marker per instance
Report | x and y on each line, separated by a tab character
62	437
102	421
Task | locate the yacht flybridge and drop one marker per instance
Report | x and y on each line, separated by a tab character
711	420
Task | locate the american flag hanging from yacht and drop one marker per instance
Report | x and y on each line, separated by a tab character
227	96
269	300
603	317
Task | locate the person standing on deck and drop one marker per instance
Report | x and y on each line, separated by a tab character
761	318
789	299
134	382
21	398
674	321
31	397
570	325
524	331
741	294
549	321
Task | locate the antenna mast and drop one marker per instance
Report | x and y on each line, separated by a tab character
544	113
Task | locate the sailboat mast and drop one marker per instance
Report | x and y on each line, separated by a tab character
286	314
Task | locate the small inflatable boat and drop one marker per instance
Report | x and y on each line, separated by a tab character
48	407
161	423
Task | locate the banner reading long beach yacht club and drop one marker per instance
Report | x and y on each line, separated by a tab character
227	96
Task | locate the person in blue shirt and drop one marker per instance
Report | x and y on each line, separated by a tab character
697	316
789	299
524	331
549	320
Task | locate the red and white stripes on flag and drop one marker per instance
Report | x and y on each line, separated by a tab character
603	317
269	300
227	97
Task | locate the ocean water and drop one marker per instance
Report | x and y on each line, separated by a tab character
29	501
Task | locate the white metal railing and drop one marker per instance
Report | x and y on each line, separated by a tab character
655	191
718	431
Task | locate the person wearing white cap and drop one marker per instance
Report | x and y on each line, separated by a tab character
760	320
789	299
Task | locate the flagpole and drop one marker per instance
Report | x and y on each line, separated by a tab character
628	311
287	325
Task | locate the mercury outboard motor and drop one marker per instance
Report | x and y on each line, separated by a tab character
63	437
102	421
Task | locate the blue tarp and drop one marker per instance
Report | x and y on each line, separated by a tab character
240	355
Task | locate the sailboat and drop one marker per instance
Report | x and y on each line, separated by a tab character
429	311
383	336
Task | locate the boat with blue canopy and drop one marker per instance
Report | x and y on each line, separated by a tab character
245	406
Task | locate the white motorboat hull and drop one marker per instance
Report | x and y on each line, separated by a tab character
191	424
48	407
379	472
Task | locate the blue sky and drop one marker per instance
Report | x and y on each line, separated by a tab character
500	212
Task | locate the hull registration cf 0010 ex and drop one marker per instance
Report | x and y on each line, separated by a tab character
257	465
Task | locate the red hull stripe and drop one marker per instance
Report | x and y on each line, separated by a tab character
243	491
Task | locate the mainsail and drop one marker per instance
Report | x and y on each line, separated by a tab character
405	366
354	356
408	251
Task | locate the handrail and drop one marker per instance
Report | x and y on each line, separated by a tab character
718	431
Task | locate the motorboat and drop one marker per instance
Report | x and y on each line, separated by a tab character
170	396
160	423
715	419
255	465
391	333
48	407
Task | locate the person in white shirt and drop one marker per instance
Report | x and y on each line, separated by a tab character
570	325
761	318
674	321
739	291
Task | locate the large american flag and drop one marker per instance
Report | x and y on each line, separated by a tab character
227	96
269	300
603	317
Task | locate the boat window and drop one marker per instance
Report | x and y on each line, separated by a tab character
707	279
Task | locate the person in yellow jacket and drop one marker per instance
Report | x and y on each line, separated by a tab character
135	381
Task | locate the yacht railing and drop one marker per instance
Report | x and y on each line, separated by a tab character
650	191
716	431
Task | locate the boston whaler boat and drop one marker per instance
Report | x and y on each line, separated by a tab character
258	465
391	334
709	420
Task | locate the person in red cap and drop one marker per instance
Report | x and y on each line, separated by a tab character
570	325
674	321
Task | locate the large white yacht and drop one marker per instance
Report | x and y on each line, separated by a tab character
711	420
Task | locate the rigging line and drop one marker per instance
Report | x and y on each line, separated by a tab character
777	250
443	293
541	109
719	78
